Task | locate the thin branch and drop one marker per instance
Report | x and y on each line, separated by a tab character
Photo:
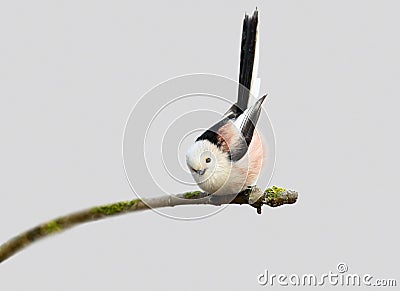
254	197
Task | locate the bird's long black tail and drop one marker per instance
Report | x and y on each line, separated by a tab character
247	55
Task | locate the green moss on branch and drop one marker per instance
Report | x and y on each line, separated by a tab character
115	208
191	195
51	227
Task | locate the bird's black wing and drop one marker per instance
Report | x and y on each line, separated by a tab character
212	134
250	120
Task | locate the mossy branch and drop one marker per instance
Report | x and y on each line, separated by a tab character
255	197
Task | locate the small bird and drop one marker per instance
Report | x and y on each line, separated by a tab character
228	157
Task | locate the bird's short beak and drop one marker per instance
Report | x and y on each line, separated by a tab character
200	172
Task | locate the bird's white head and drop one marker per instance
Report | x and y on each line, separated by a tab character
209	166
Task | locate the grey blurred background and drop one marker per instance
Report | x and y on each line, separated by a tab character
70	72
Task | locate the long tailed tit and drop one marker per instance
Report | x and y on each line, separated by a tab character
228	157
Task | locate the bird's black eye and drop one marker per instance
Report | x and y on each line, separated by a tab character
208	160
